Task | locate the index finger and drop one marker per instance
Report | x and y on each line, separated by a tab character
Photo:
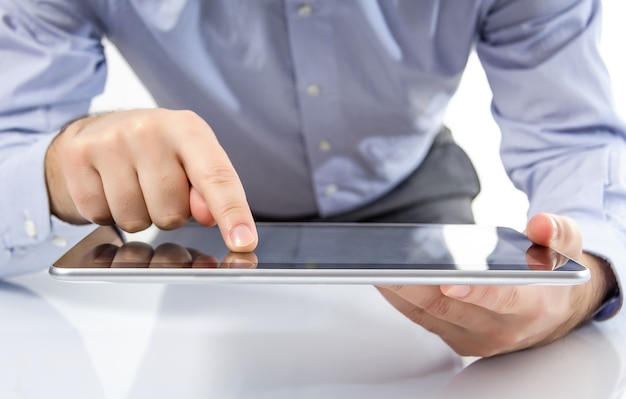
211	173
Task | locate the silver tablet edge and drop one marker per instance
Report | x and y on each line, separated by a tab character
318	276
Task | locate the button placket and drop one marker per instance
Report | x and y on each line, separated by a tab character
311	42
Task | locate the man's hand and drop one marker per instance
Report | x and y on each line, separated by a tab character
135	168
490	320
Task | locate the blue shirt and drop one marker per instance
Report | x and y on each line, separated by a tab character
322	105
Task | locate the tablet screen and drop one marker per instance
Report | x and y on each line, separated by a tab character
316	249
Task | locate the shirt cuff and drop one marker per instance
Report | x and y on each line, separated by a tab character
606	241
25	205
31	238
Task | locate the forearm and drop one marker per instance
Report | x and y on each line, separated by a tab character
562	141
52	66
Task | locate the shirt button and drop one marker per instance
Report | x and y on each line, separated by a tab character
313	90
30	228
305	10
59	241
325	145
331	189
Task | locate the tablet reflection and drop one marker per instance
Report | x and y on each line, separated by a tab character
166	255
170	255
588	363
338	342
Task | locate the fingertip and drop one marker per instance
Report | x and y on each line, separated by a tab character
456	291
238	229
243	238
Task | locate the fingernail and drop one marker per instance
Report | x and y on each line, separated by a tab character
555	229
457	291
241	236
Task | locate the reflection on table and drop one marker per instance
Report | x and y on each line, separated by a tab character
161	341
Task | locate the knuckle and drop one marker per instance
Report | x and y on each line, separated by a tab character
89	206
101	218
466	317
133	226
187	117
438	306
77	153
498	299
219	176
192	125
486	294
170	222
508	301
416	315
139	128
232	209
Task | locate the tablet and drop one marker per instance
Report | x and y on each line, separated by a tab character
313	253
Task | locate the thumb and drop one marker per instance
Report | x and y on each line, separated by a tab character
558	232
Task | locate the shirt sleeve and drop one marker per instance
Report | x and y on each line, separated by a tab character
52	65
562	141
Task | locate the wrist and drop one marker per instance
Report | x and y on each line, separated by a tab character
601	287
59	199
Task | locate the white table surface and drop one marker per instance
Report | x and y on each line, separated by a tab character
97	340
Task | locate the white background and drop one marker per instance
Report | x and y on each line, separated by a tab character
468	116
